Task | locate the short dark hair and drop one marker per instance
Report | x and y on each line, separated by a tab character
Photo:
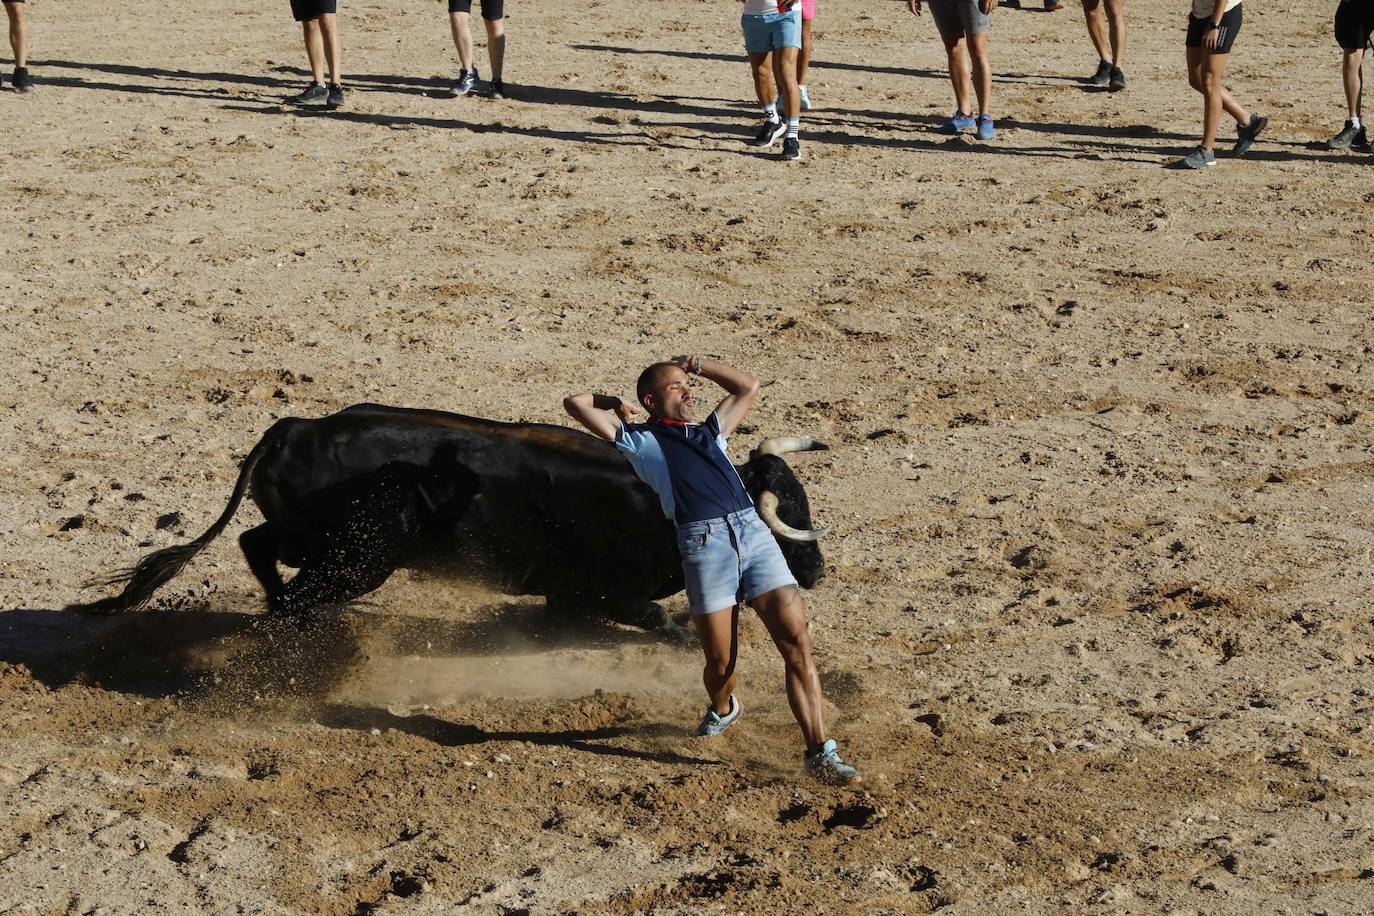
649	378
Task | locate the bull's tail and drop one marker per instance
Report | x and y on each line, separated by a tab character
154	570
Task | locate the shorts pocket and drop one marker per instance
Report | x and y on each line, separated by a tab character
691	544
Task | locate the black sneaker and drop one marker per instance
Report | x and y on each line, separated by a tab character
791	150
467	80
1103	74
1116	80
768	134
1349	136
498	88
313	93
22	81
1247	134
336	97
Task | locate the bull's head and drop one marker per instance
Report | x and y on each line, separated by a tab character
783	506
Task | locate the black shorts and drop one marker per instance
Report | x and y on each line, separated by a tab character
492	10
1354	23
311	9
1226	32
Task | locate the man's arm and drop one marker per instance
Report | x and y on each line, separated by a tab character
600	413
743	389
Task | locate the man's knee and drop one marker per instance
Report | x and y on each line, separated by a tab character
719	670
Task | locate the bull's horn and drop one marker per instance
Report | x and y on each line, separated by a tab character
781	445
768	511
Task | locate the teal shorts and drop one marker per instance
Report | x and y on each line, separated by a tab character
772	31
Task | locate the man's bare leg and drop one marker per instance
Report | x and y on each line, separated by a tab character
19	33
783	612
761	66
982	71
314	49
462	38
333	47
960	73
1092	12
1350	76
787	88
496	45
719	635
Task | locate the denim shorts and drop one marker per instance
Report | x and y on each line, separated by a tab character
772	31
730	560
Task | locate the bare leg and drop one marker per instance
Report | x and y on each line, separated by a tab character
783	612
1350	73
314	49
787	88
496	45
462	38
959	73
1216	99
761	65
19	33
719	634
1116	19
1092	12
982	70
333	48
804	58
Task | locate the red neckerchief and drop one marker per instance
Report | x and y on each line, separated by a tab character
667	421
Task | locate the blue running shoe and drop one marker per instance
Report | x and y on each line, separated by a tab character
957	122
827	766
985	129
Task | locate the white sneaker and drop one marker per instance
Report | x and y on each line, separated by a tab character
713	724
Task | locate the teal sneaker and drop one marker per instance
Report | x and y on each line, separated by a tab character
1200	158
713	723
957	122
827	766
985	128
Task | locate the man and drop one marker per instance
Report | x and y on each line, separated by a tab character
1109	71
459	20
321	29
963	26
1354	26
728	554
19	43
1212	29
774	27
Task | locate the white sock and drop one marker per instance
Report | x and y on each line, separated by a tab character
770	112
1355	123
792	125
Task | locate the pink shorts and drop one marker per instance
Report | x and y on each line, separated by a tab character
808	9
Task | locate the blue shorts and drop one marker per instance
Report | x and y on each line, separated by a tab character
730	560
772	31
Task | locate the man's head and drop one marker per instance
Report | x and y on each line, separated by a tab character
663	390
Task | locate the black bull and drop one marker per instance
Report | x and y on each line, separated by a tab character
523	508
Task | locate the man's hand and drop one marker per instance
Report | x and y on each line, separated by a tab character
742	389
987	6
914	6
625	410
1209	40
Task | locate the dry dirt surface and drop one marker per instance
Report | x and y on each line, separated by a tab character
1097	623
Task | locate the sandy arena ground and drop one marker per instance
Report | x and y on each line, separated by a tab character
1097	623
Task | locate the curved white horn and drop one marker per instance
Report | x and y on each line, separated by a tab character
768	511
781	445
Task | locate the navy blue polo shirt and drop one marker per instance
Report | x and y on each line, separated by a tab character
686	465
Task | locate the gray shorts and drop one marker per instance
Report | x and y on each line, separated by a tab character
959	18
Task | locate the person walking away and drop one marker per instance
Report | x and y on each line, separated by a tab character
963	26
729	555
319	23
1110	41
460	22
19	43
1212	29
1354	26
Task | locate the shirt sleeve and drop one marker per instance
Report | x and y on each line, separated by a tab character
628	439
712	426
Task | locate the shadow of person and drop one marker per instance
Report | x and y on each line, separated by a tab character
458	734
